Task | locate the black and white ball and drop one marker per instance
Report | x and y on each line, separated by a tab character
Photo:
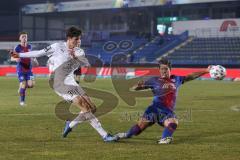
218	72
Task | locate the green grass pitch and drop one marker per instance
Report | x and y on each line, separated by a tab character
209	126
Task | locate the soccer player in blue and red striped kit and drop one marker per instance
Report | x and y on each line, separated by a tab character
161	111
24	67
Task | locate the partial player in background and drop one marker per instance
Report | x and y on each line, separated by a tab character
77	74
24	67
64	59
161	111
237	79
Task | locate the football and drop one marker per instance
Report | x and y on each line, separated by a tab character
218	72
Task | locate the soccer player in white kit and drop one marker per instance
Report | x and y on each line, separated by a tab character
64	59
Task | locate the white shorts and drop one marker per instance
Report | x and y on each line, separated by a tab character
70	90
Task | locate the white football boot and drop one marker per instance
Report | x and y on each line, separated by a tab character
166	140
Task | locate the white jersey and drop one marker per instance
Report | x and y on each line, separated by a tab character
59	60
58	54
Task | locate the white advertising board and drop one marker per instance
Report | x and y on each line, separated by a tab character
209	28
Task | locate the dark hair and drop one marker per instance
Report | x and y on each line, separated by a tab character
165	62
73	32
22	32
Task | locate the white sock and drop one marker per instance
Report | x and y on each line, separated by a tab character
97	126
73	124
92	120
79	119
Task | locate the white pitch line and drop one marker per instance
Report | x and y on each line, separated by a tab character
204	110
30	114
126	112
235	108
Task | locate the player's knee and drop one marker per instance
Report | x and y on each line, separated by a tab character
90	107
78	100
93	109
85	104
143	124
171	124
30	85
23	84
89	104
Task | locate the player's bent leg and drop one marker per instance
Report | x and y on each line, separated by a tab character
84	103
143	124
22	91
171	121
170	125
30	83
30	80
87	109
148	119
136	129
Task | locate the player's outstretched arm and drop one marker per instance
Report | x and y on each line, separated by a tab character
195	75
14	59
139	86
32	54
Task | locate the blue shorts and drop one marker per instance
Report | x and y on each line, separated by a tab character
155	114
25	76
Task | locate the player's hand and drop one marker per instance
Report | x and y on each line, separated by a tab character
139	86
14	54
140	83
72	53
